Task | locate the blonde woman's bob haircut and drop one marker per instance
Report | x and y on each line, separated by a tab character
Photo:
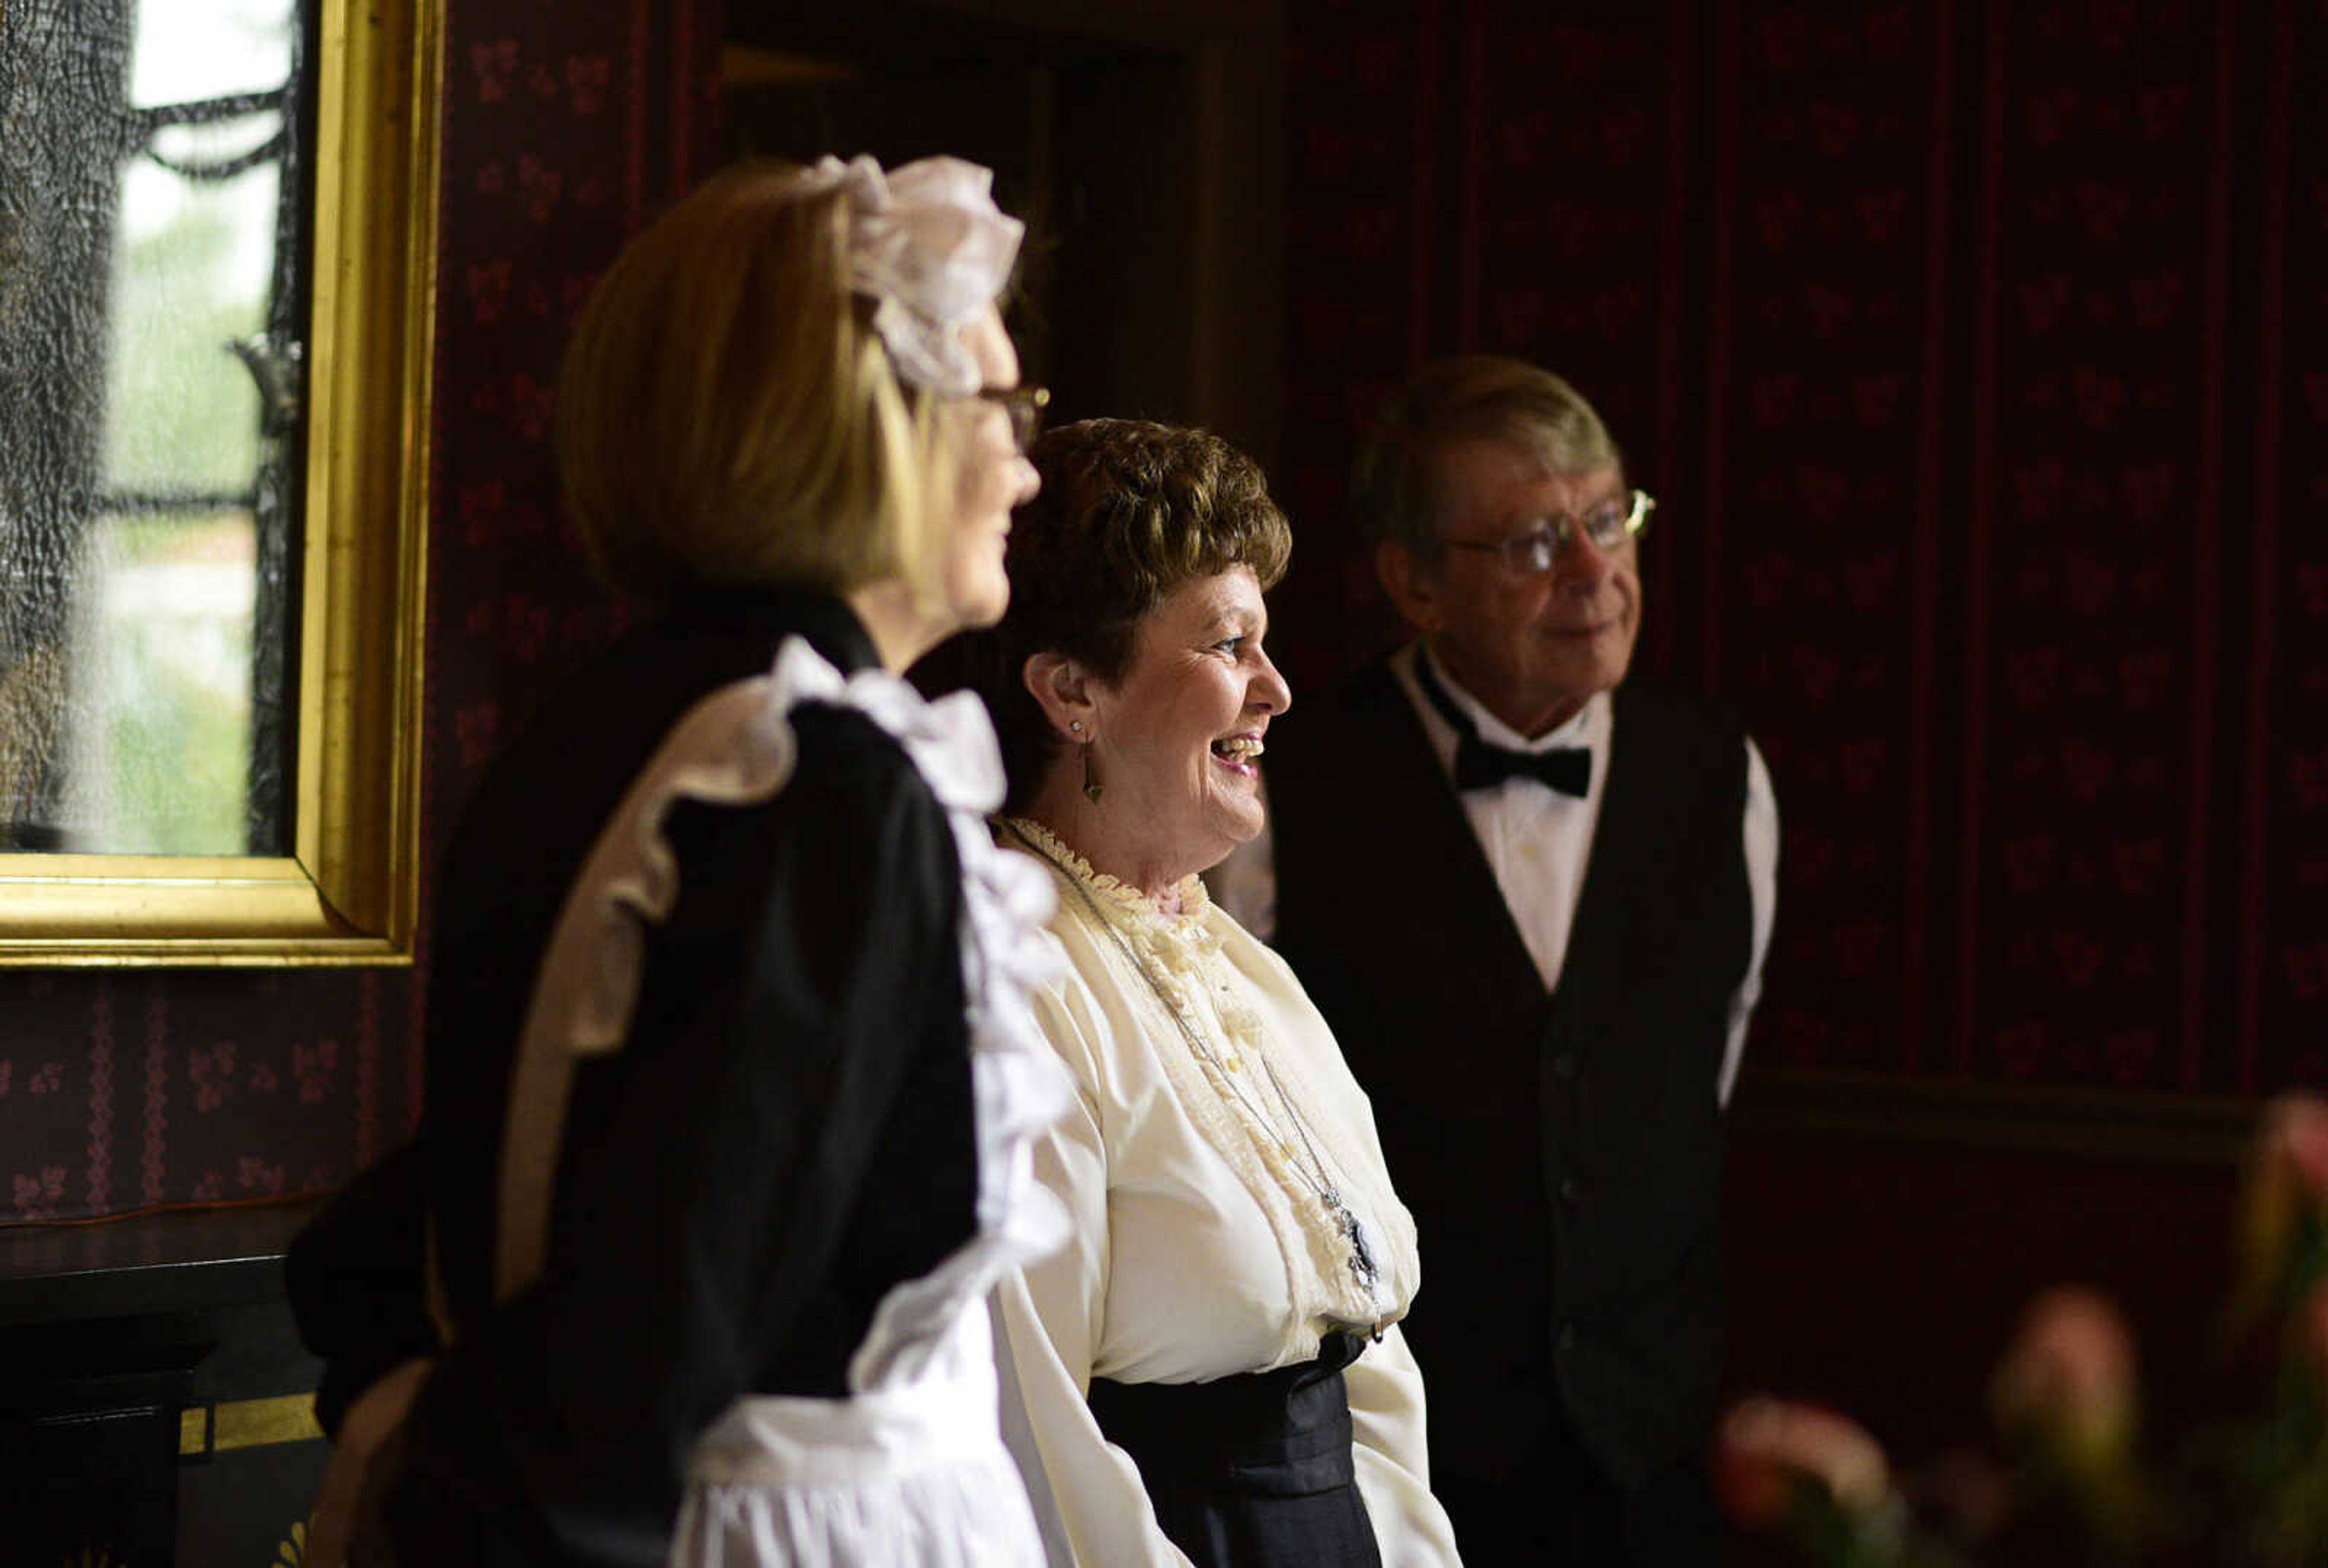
726	414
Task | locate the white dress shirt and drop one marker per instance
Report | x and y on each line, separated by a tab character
1539	841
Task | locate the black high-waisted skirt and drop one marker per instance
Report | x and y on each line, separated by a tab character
1251	1471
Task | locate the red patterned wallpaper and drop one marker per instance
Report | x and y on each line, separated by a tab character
1829	303
1977	353
564	126
2090	628
2278	791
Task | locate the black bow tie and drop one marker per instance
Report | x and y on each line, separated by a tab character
1480	766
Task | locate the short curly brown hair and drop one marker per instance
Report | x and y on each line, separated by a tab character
1129	512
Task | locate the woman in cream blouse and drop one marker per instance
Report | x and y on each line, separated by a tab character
1211	1370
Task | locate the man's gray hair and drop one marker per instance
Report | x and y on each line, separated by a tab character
1395	486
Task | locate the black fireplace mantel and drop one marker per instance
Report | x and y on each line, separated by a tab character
155	1403
167	1263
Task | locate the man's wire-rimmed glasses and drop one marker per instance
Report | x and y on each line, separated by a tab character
1607	523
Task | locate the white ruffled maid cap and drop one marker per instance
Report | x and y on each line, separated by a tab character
930	248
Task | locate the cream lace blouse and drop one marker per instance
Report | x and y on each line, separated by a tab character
1199	1245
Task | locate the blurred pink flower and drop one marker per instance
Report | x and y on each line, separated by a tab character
1768	1448
2296	1139
2287	1183
2069	1377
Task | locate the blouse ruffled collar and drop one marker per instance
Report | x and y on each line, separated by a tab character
1117	895
1256	1123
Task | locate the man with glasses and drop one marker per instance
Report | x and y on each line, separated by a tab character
1532	897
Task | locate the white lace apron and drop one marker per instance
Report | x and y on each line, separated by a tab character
910	1467
915	1473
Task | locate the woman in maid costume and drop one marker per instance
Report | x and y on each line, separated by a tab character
732	1078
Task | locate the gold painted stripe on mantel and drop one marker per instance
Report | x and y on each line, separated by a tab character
235	1424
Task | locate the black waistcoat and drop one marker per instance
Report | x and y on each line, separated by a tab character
1560	1153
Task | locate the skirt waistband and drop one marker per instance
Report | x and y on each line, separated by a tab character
1284	1432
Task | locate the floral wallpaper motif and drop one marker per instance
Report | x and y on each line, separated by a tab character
564	127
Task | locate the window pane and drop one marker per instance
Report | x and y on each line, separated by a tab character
201	49
153	302
191	265
161	712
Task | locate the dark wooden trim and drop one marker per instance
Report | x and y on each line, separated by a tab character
174	1261
2209	1129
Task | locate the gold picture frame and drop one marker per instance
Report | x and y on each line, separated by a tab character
347	893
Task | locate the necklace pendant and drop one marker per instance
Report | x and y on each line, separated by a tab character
1362	1255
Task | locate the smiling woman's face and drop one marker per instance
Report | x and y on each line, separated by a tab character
1177	738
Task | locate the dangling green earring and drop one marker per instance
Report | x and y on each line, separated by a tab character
1091	774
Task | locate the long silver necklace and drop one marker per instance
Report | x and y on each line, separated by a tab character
1319	1178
